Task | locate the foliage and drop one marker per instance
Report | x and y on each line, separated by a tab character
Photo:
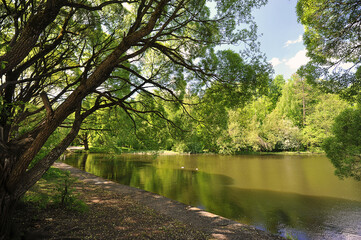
332	39
225	125
275	89
64	190
279	133
320	121
244	127
344	147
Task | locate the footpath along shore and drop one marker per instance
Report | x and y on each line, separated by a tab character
214	226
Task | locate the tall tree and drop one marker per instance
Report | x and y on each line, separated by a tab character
56	53
275	89
295	101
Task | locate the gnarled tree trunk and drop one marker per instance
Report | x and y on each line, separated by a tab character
11	155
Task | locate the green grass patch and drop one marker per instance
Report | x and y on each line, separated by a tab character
55	189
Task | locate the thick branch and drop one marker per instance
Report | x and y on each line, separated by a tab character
30	34
93	8
47	105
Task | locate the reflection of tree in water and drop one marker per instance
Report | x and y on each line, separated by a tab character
276	220
277	211
111	168
273	211
84	159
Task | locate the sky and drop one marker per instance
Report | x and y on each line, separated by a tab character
281	38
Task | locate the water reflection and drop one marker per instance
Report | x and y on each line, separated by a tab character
281	194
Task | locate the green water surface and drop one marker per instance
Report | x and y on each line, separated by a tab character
294	195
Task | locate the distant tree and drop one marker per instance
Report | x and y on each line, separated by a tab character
319	122
296	100
279	133
245	127
344	148
332	38
56	53
239	82
275	89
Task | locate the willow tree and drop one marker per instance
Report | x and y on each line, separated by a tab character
55	54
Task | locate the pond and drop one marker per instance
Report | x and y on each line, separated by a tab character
290	195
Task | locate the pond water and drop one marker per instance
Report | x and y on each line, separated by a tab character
290	195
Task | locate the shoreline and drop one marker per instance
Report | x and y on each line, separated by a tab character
167	152
216	226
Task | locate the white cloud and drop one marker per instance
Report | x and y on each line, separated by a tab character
298	60
275	61
290	42
288	66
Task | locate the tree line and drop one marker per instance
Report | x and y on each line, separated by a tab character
291	115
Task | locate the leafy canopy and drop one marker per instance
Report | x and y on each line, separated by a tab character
333	41
344	148
62	61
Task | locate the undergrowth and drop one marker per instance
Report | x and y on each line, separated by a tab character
55	189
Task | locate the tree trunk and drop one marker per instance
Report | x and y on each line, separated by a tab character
10	194
7	206
17	154
303	104
85	141
7	199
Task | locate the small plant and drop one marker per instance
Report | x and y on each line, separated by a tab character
55	188
65	194
65	190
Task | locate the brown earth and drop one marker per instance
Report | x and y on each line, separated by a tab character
117	211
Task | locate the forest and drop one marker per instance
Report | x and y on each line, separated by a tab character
289	115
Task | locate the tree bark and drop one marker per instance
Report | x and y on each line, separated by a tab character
8	158
101	74
7	207
7	199
85	141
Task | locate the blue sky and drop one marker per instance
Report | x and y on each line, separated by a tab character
281	38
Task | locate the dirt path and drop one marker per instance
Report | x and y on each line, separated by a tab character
213	225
